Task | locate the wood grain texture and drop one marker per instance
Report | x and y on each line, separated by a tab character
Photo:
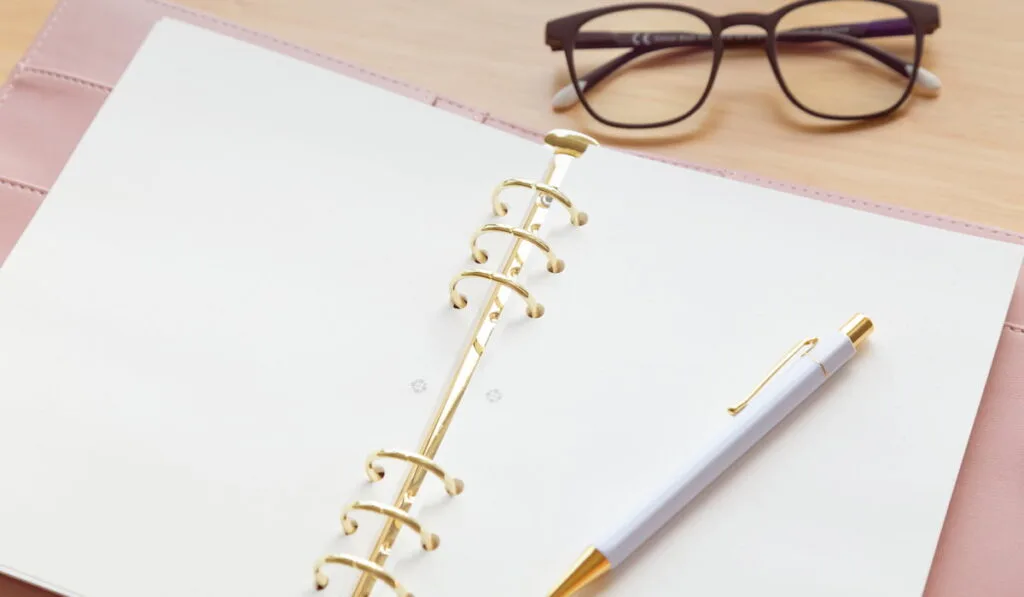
959	154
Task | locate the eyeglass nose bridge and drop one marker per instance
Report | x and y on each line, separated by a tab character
745	18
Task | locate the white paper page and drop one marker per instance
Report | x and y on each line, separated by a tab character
219	312
677	298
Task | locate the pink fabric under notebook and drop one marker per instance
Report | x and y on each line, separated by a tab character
60	84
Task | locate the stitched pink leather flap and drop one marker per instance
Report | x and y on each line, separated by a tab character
58	87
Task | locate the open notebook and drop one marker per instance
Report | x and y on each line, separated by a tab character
237	291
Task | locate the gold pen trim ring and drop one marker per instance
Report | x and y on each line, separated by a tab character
858	329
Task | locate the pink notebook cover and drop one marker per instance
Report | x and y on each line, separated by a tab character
59	85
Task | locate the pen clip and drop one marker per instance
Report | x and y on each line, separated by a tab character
802	348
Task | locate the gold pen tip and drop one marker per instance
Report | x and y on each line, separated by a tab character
857	329
591	566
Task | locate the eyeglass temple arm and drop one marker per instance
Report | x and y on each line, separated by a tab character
644	43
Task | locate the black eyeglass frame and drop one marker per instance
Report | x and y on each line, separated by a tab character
562	34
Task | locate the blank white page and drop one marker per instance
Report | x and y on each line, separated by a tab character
220	311
677	298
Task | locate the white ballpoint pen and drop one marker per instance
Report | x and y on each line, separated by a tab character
802	371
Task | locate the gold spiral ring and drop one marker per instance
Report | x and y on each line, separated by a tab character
361	565
376	472
429	541
577	217
533	308
555	265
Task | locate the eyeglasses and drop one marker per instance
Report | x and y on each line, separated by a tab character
649	65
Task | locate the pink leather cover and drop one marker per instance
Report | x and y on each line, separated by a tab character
59	85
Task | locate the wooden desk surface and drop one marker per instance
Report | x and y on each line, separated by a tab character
960	154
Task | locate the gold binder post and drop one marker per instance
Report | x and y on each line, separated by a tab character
566	145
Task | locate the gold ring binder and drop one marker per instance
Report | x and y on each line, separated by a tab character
365	566
577	217
566	146
429	541
533	308
555	265
376	472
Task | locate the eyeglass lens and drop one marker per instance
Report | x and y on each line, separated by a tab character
654	81
832	72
